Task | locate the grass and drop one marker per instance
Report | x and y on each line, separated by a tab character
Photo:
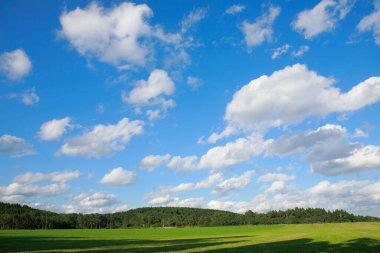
305	238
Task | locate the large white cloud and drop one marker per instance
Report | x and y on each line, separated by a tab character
15	64
118	176
15	146
211	180
102	140
322	18
270	177
53	129
290	95
56	177
235	183
329	150
151	162
358	196
372	22
183	164
122	35
112	35
261	30
240	150
152	91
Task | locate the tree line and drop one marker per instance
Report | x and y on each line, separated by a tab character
15	216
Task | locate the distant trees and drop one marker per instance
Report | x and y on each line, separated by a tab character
15	216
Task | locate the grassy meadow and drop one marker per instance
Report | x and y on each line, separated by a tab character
305	238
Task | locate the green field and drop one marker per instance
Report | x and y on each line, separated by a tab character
345	237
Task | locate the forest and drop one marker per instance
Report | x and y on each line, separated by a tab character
16	216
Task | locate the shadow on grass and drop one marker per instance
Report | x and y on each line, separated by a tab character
62	244
224	245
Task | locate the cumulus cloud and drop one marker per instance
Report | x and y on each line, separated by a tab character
24	186
102	140
162	192
168	200
372	22
152	91
234	183
280	51
234	9
361	158
357	196
55	177
183	164
240	150
323	17
15	64
112	35
15	146
151	162
53	129
270	177
264	102
118	176
261	30
123	36
328	150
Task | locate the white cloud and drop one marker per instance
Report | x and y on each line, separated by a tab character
328	150
360	197
31	191
102	140
297	142
183	164
372	22
214	137
264	102
114	35
15	146
153	114
168	200
359	159
193	82
148	92
27	97
56	177
53	129
15	64
151	162
97	202
235	183
192	18
233	206
276	186
118	176
360	133
280	51
234	9
301	51
270	177
162	192
261	30
123	36
240	150
152	92
322	18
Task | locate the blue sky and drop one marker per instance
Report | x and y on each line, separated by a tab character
107	106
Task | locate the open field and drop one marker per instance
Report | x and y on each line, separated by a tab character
306	238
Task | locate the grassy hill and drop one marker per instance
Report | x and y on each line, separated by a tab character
15	216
